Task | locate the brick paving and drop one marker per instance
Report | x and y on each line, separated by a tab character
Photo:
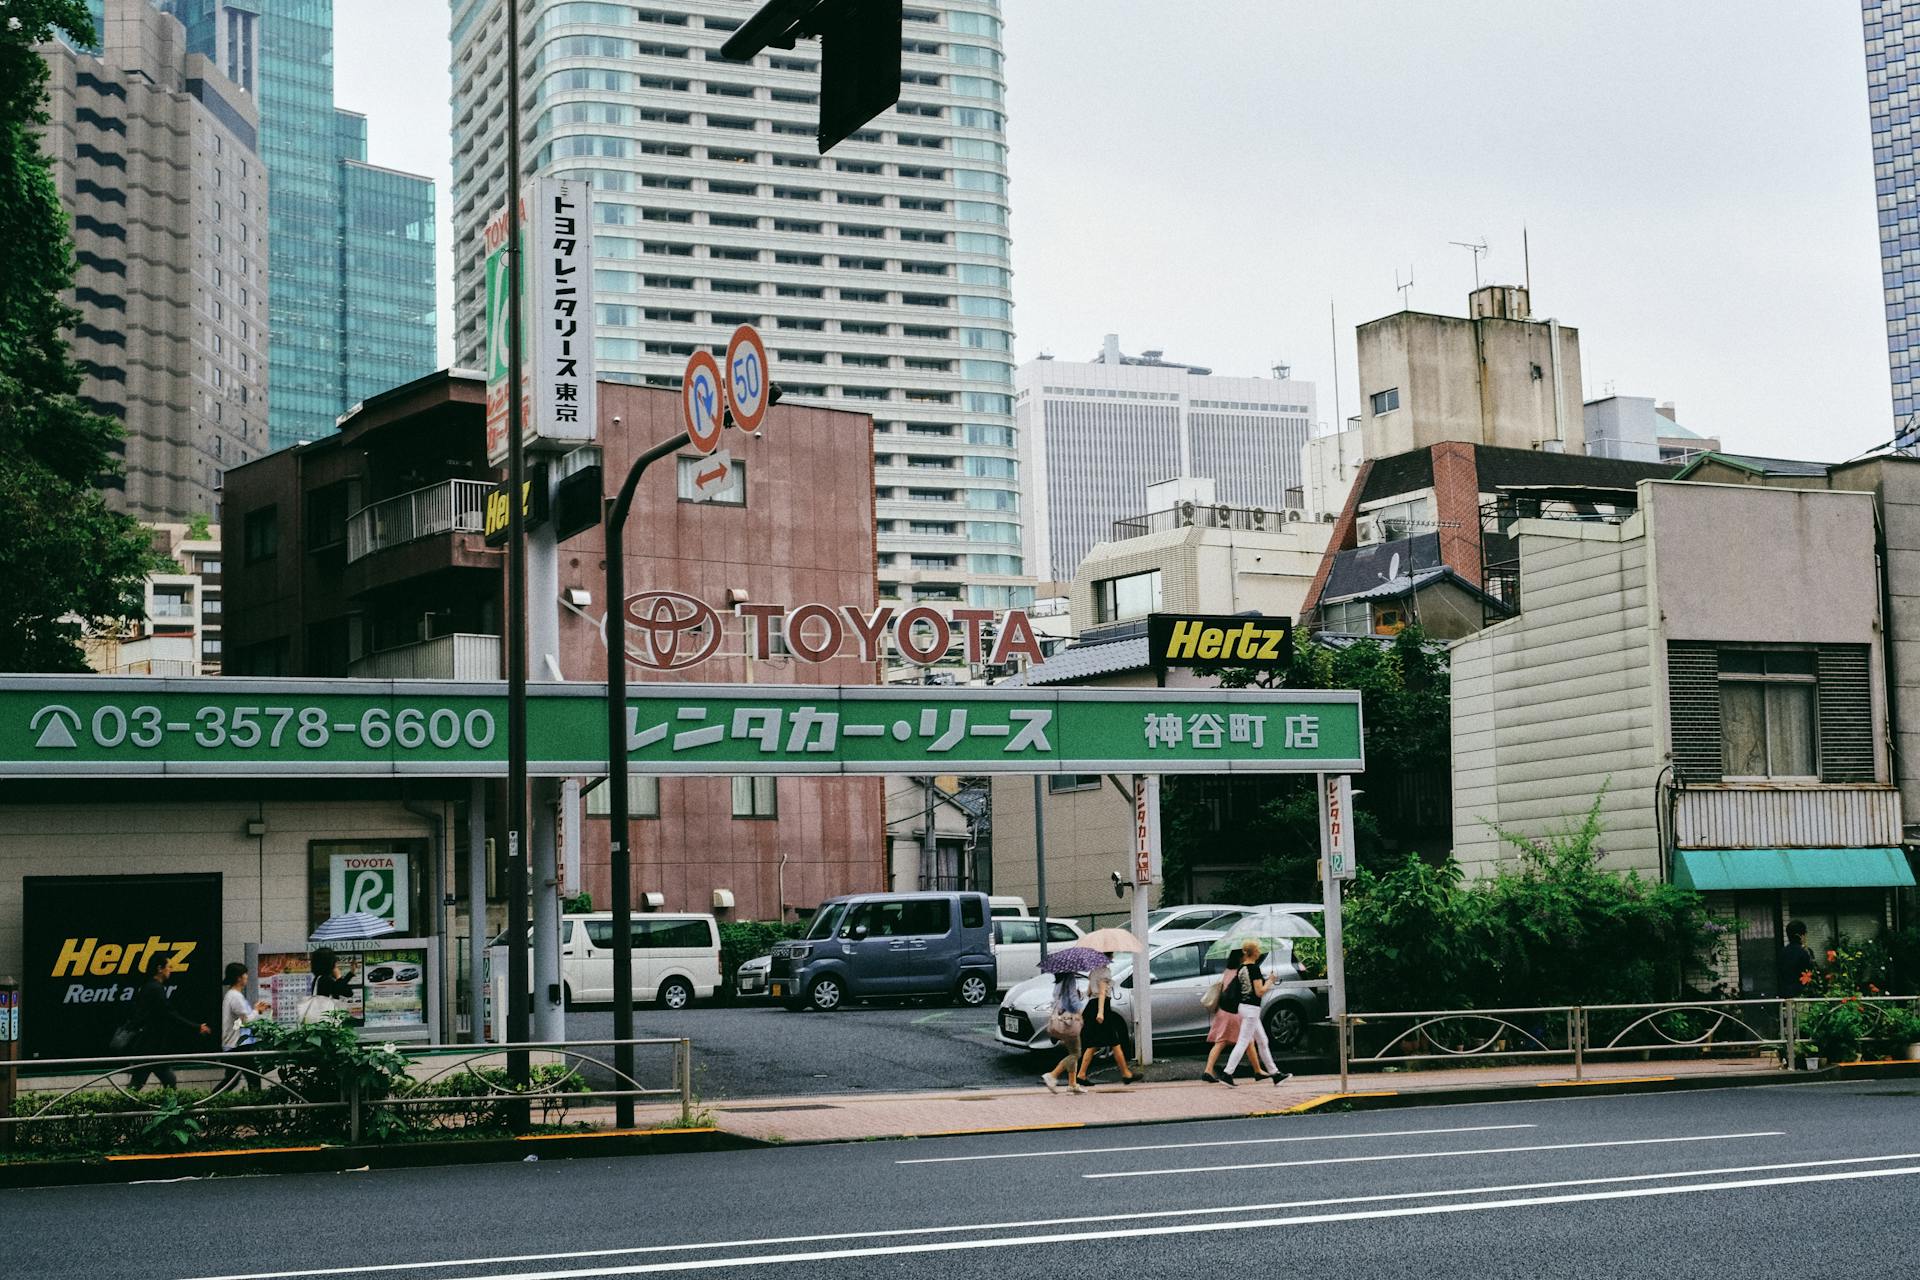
849	1117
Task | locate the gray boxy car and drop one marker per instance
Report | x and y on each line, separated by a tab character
869	945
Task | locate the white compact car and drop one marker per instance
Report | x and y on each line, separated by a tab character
1016	946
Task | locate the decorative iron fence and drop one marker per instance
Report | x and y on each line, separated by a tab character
93	1104
1579	1034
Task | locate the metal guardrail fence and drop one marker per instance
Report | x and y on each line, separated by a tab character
265	1091
1578	1034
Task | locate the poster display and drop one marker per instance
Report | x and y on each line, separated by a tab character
87	943
395	984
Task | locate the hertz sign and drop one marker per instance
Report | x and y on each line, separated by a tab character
1219	640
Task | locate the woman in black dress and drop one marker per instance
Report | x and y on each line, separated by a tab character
1103	1028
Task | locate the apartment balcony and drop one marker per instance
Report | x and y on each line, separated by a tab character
1769	815
460	656
428	531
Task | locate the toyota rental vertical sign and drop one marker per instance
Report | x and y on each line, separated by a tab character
557	369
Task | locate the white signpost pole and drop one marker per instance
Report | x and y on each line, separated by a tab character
1336	867
1146	872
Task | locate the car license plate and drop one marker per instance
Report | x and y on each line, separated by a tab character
775	989
1009	1024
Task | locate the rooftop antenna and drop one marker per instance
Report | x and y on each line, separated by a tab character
1526	264
1406	290
1479	248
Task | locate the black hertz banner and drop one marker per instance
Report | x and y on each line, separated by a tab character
1219	640
88	939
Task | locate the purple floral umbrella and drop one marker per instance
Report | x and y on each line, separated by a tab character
1074	960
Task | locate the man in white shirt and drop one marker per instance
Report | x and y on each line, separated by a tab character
235	1014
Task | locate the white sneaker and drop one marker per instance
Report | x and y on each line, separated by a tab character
1075	1086
1053	1086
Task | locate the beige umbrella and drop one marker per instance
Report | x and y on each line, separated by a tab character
1110	941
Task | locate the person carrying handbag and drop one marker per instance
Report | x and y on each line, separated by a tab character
1064	1026
1225	1028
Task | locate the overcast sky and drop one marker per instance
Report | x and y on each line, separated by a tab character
1695	178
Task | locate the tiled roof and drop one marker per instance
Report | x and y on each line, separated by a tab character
1087	661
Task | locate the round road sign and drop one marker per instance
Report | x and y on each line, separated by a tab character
746	374
703	402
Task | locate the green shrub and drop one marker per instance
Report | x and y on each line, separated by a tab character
1835	1030
1557	929
742	940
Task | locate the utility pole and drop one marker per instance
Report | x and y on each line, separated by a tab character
516	616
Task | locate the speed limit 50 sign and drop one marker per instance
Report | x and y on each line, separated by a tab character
746	378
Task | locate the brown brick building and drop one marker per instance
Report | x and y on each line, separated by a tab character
363	555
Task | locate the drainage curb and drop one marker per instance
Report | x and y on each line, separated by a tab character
338	1159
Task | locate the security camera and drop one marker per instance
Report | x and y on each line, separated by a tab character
1119	885
579	597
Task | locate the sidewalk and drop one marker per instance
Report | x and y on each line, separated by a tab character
851	1117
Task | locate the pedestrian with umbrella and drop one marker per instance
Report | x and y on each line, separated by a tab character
1102	1028
1068	1015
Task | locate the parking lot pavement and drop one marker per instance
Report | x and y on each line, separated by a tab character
762	1050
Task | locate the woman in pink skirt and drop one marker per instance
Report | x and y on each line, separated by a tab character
1225	1029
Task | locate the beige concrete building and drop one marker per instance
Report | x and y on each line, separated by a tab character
179	631
1199	559
1729	700
1497	377
154	154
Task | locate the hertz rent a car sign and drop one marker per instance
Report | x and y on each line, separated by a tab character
113	727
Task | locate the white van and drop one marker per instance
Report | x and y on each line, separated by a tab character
1001	908
676	957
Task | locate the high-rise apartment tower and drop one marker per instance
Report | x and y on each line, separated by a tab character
1892	30
878	274
353	300
155	155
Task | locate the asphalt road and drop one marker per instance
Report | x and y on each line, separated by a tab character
1788	1181
761	1050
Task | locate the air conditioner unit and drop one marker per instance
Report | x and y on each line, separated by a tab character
1293	516
1366	529
1185	513
1326	517
1259	518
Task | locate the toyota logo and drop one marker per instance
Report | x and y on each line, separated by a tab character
667	630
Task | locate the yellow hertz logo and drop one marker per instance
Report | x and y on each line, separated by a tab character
1249	641
500	512
82	957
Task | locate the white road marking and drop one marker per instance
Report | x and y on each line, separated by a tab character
1030	1223
1236	1142
1436	1155
1192	1228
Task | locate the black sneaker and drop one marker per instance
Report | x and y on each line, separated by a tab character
1217	1079
1281	1077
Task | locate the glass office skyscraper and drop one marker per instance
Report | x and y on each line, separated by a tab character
879	274
350	245
1893	100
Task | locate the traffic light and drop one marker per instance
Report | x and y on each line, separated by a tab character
859	55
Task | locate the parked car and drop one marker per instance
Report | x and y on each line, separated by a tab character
676	957
1000	907
888	944
1182	972
1016	946
752	978
1197	915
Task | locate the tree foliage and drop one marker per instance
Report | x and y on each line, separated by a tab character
66	561
1557	928
1404	707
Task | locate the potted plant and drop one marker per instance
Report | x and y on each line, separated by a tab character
1837	1029
1900	1032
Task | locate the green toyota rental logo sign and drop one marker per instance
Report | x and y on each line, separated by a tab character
113	726
375	883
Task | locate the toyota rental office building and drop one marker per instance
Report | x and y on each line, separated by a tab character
879	274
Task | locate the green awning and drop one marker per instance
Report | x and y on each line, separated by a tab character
1713	870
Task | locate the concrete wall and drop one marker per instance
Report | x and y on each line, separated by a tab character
263	879
1467	380
1329	465
1553	705
1089	836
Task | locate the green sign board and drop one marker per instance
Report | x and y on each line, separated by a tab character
110	726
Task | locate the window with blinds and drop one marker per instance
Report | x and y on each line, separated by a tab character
1752	712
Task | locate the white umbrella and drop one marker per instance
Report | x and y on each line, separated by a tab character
1110	941
352	925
